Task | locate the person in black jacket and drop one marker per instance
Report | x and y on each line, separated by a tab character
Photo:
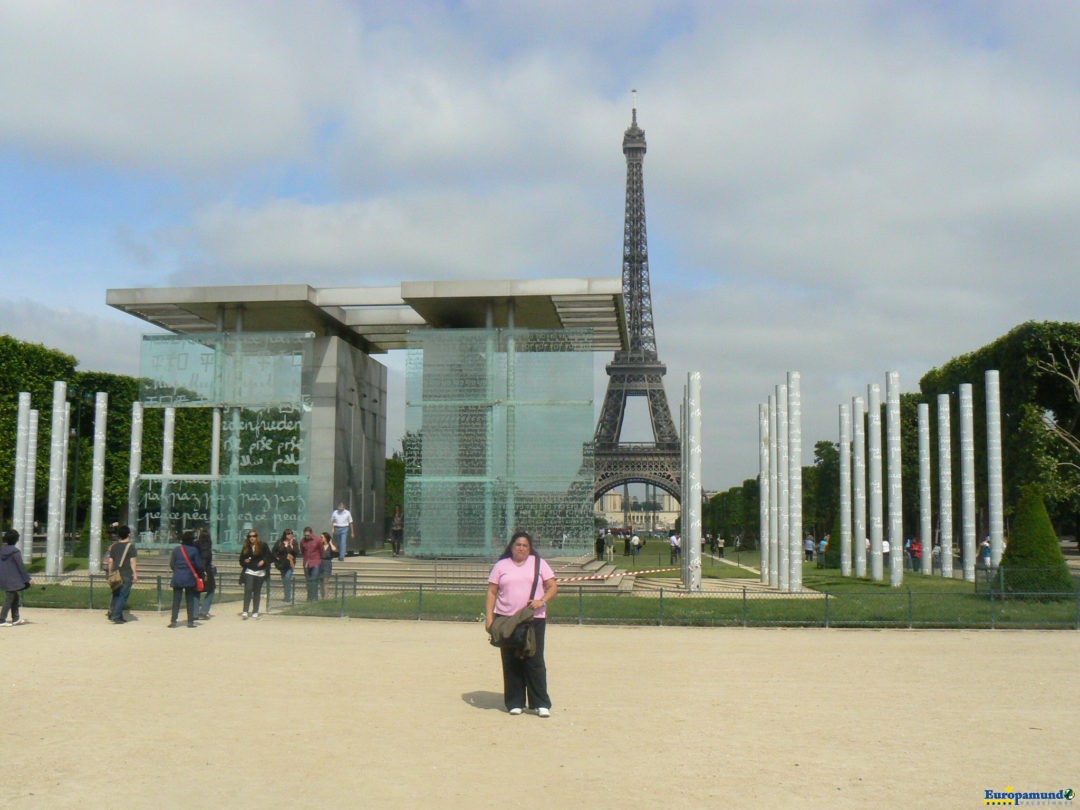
285	552
255	560
206	551
13	579
187	567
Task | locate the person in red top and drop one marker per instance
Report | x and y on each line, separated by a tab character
311	547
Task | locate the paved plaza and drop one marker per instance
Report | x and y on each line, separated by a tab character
305	712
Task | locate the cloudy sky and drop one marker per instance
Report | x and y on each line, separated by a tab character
837	188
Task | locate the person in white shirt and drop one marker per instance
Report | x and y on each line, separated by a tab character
341	523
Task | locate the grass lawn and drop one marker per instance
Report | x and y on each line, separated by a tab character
929	602
710	567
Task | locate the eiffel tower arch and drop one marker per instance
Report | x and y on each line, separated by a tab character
636	372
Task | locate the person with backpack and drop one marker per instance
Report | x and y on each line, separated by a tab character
14	579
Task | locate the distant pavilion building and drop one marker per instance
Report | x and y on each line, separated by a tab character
283	381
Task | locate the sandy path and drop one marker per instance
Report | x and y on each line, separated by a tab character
409	714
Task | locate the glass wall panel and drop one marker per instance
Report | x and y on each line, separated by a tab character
499	424
261	386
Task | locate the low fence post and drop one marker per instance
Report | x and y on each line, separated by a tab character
910	609
159	593
580	604
91	591
661	617
826	609
420	603
1078	609
745	608
341	615
993	618
355	582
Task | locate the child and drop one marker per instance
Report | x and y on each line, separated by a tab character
13	578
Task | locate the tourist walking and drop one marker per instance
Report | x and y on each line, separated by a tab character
122	556
342	523
255	562
14	579
609	546
311	547
326	570
284	553
518	580
187	567
720	542
397	529
206	550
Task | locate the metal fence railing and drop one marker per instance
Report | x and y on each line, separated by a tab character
347	596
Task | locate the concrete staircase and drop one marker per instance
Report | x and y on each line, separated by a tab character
386	571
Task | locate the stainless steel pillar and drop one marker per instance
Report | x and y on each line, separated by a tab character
926	538
135	466
782	494
858	485
55	533
27	540
845	492
994	483
896	491
763	491
97	485
774	497
795	555
967	480
873	440
945	518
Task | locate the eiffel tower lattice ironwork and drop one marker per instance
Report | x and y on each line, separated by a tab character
637	371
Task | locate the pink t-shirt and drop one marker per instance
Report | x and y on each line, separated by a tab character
514	581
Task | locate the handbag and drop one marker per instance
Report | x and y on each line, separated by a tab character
522	640
116	582
200	586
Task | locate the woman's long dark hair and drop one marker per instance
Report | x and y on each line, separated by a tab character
508	552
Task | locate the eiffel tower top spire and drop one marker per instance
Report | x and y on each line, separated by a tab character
637	292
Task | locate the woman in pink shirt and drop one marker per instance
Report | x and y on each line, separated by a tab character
510	588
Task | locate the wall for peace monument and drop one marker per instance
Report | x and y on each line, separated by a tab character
286	444
500	425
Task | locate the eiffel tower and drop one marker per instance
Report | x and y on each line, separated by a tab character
637	372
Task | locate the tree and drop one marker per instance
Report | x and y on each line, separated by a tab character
395	485
1030	389
1060	363
824	484
1032	562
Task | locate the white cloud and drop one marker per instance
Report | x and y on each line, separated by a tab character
509	232
838	189
170	86
109	344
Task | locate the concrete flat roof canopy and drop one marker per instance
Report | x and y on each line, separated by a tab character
378	319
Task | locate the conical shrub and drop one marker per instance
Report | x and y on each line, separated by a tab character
1032	562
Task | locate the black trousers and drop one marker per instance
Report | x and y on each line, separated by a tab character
525	679
252	591
11	603
188	595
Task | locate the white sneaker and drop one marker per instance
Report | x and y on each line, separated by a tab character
543	712
254	615
243	615
7	624
515	712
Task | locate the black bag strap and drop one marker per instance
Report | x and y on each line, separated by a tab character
536	578
187	559
127	548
